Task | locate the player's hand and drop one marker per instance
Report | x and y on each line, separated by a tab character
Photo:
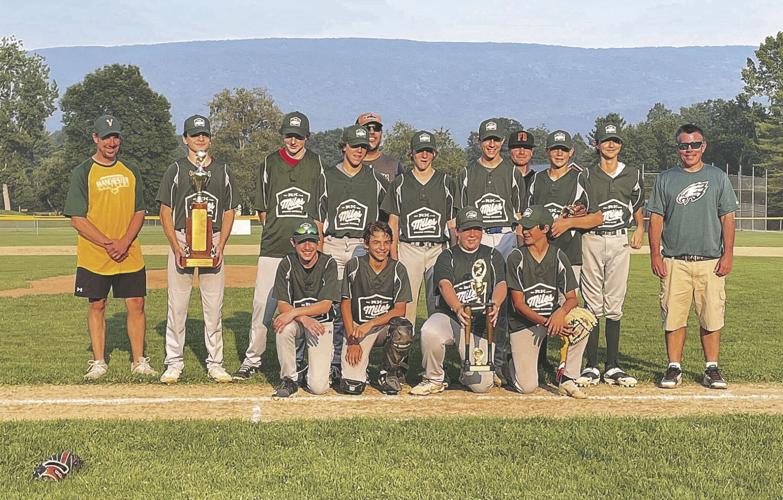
312	326
282	320
560	226
494	312
725	264
360	331
219	255
578	210
658	266
463	315
179	254
555	324
637	239
353	354
117	249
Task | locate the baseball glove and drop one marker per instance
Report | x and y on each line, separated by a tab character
580	321
57	467
578	209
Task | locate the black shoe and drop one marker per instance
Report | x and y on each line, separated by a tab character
286	388
672	378
712	378
245	372
334	376
389	383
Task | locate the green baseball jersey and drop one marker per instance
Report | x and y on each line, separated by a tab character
372	294
462	269
176	191
302	287
692	204
556	194
541	282
616	197
498	193
423	209
386	166
288	194
346	205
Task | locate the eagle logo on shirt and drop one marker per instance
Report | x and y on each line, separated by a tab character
692	192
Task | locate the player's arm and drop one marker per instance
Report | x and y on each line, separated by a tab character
452	225
587	221
382	320
118	249
167	222
728	227
394	224
498	297
87	230
637	239
556	323
225	233
449	295
518	301
654	232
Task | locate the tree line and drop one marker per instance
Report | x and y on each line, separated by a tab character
744	132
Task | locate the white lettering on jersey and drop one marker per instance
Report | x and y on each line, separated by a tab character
492	208
692	192
467	295
614	213
423	223
291	202
350	214
112	183
540	298
373	306
212	204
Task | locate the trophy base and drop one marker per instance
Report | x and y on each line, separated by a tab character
478	368
198	262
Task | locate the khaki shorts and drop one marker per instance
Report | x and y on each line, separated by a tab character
687	282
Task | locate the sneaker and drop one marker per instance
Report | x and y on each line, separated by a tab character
245	372
219	374
569	388
287	388
672	378
335	375
142	367
427	387
712	378
96	370
589	376
171	375
616	376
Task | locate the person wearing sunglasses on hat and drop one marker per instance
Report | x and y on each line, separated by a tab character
382	163
305	290
691	235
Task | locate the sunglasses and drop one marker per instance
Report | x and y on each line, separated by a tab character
375	127
683	146
306	229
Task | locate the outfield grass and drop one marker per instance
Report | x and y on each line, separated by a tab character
44	338
723	457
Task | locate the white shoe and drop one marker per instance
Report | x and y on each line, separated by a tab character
569	388
616	376
171	375
142	367
427	387
589	376
96	370
219	374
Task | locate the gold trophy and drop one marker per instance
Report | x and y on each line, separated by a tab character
199	251
482	362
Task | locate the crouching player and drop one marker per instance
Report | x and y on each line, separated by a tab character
305	288
536	273
374	296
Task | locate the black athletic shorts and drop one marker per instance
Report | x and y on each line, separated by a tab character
123	285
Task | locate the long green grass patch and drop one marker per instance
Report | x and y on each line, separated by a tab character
721	457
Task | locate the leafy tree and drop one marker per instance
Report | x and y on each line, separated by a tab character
245	128
398	144
149	139
26	100
327	144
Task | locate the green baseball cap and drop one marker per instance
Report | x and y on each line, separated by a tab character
469	217
295	123
197	124
422	140
521	139
609	131
559	138
535	215
491	128
306	231
356	135
107	125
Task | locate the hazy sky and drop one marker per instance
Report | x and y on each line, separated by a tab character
598	23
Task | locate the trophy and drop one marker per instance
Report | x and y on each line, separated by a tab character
482	361
199	251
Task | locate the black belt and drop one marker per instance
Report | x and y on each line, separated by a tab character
692	258
424	243
497	230
616	232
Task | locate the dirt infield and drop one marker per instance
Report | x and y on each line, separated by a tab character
150	402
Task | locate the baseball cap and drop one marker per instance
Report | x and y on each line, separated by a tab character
197	124
295	123
107	125
422	140
535	215
521	139
609	131
559	138
356	135
306	231
365	118
490	128
469	217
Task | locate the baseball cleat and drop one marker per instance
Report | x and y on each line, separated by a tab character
96	370
713	379
672	378
569	388
245	372
589	376
219	375
427	387
142	367
616	376
170	376
287	388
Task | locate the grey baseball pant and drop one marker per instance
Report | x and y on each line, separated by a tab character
264	307
606	260
525	345
358	372
319	355
419	261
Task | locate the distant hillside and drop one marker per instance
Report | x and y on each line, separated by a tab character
430	85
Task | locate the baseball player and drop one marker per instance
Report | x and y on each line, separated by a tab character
537	273
384	165
374	294
456	268
520	148
420	204
349	198
174	195
105	203
286	195
305	289
617	191
692	213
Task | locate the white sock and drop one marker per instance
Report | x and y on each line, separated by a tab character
710	363
674	365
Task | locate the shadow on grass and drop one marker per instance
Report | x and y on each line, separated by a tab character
239	324
194	339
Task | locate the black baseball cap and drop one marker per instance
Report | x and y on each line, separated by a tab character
535	215
559	138
295	123
491	128
609	131
521	139
422	140
107	125
356	135
306	231
469	217
197	124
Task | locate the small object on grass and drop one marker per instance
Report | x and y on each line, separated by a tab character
58	466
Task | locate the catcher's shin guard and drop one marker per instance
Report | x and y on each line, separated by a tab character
352	387
395	356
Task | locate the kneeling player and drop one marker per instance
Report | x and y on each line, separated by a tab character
305	288
375	293
536	273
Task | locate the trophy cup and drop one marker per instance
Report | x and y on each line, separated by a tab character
199	251
482	362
